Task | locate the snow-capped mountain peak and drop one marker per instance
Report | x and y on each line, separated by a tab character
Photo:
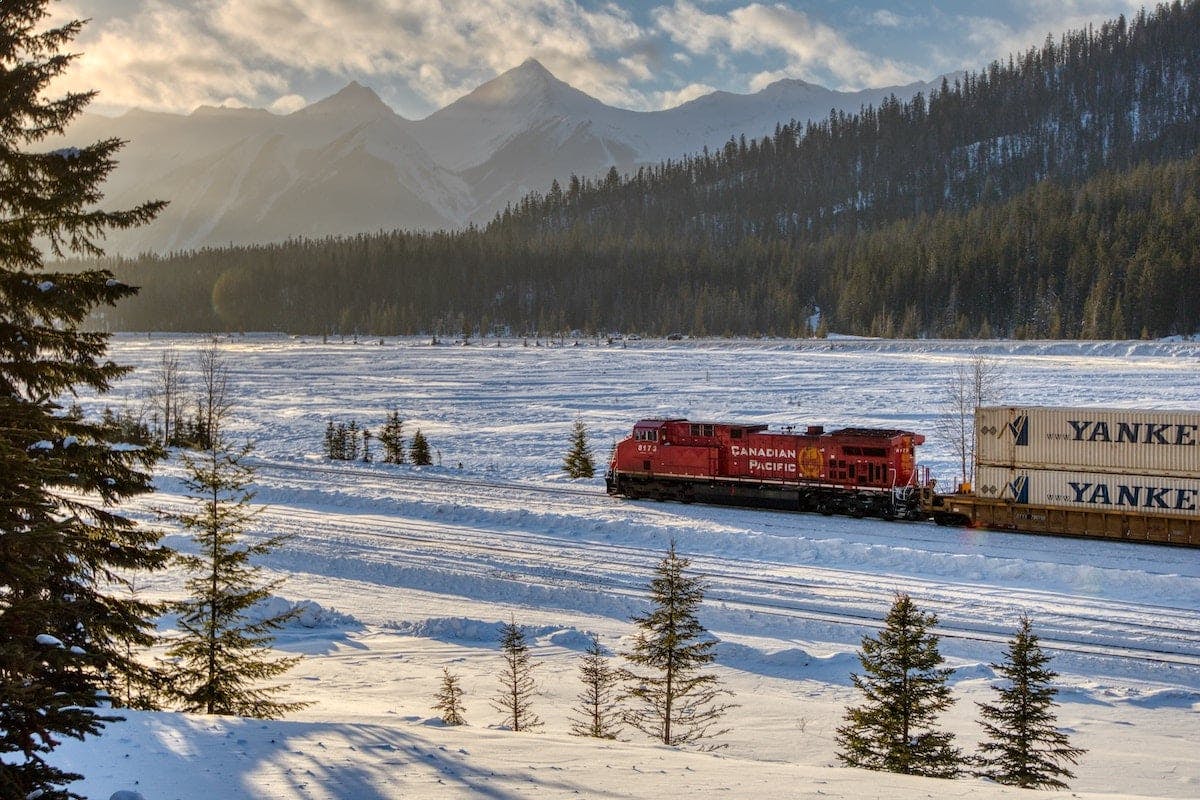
353	99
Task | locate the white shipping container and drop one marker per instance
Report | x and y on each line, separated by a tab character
1098	439
1095	491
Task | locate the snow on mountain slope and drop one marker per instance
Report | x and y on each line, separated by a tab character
525	128
348	164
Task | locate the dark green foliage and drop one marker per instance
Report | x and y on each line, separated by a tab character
331	435
449	699
578	462
127	427
1023	746
222	655
345	441
517	687
676	702
391	439
68	622
419	452
1054	195
904	689
598	713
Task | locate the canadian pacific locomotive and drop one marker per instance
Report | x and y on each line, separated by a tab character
855	471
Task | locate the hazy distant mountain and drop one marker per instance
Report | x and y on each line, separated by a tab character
349	164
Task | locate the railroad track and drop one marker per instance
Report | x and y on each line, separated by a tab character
1029	548
396	548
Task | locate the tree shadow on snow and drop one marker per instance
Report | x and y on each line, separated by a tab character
232	758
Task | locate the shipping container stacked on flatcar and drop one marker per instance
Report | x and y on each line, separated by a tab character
857	471
1112	473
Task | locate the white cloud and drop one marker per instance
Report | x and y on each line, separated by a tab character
887	19
440	48
762	80
996	39
177	54
670	99
809	46
288	103
164	58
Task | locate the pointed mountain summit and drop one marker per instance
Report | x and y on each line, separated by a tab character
353	99
530	82
527	97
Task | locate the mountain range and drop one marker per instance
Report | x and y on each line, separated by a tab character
349	164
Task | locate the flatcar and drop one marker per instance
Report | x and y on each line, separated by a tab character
1101	473
855	471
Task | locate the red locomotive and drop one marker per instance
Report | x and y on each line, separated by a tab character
856	471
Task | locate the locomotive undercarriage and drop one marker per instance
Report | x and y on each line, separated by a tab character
821	499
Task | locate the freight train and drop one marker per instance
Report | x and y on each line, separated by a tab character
1116	474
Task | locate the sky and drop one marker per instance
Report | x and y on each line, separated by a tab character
421	55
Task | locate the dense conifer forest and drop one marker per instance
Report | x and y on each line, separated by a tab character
1052	195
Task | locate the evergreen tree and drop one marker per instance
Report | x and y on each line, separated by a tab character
223	653
330	435
419	452
350	448
339	441
449	699
366	445
517	687
65	556
578	463
677	702
391	439
597	714
1023	746
904	688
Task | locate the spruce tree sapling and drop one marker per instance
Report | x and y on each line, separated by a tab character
419	453
677	702
330	438
517	686
66	616
578	462
449	699
391	439
223	652
1023	746
904	688
598	713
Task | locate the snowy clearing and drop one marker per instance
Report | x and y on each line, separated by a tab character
412	569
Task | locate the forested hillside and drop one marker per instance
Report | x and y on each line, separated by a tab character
1055	195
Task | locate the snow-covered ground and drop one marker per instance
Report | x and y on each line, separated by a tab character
411	570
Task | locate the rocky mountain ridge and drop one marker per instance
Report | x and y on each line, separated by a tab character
349	164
